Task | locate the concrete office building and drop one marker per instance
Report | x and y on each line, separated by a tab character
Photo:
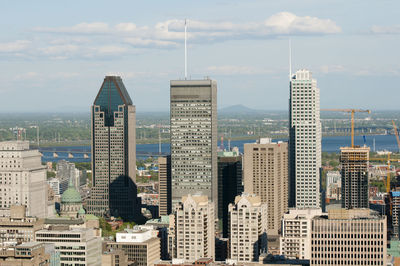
30	254
113	152
295	242
18	228
54	184
304	141
349	237
22	179
265	167
114	258
248	225
164	186
77	246
354	170
140	245
229	184
194	138
194	229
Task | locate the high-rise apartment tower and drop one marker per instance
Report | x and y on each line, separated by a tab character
265	167
113	152
194	138
304	141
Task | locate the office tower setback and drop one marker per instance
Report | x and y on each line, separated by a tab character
295	242
113	152
265	167
194	138
248	228
194	229
304	141
229	184
349	237
22	179
164	187
354	170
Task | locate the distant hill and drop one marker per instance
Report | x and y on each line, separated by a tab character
239	109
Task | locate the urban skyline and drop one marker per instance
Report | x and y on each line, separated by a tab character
69	54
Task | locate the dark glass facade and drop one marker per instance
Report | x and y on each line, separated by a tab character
113	191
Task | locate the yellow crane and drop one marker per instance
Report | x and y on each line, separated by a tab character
388	160
352	111
397	134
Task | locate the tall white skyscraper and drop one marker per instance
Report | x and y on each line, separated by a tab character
304	141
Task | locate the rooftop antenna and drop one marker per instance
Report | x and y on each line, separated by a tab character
185	50
290	59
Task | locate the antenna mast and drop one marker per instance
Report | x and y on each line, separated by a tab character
185	50
290	59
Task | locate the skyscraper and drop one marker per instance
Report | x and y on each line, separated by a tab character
265	167
354	170
113	152
229	184
22	179
194	138
304	141
164	186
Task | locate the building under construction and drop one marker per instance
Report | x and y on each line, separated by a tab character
354	170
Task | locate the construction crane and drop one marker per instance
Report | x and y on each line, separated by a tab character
388	160
397	134
352	111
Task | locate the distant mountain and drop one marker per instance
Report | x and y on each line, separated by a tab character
238	108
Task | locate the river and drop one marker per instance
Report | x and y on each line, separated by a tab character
329	144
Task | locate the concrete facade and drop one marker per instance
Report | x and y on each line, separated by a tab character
194	138
22	179
304	141
76	246
295	242
192	229
349	237
265	167
248	225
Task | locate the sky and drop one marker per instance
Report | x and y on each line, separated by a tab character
54	54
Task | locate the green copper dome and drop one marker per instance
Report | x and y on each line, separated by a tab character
71	195
81	211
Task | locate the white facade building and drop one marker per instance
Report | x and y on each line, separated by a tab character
54	183
194	228
248	228
22	179
333	185
304	141
295	242
77	246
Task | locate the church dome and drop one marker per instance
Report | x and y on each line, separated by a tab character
71	195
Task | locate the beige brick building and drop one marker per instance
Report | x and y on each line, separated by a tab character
265	166
349	237
193	223
164	188
248	228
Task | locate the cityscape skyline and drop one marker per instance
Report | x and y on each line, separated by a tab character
69	54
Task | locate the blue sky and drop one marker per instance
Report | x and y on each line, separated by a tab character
55	54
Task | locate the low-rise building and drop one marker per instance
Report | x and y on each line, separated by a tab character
29	254
114	258
77	246
140	245
349	237
18	228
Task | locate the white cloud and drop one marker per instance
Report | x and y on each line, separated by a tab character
16	46
395	29
138	42
81	28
